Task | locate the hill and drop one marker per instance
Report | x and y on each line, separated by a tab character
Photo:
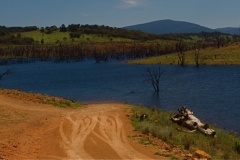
171	26
229	30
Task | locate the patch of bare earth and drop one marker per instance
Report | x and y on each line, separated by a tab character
33	130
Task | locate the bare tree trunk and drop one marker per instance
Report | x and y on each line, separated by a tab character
196	57
154	77
218	39
181	56
9	71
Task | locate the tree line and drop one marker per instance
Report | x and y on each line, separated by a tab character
77	52
7	34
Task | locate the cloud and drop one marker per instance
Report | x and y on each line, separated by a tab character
131	3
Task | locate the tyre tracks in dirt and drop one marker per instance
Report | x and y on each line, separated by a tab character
31	130
92	127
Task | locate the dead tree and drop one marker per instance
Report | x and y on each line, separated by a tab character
217	36
186	118
180	52
8	71
196	57
154	77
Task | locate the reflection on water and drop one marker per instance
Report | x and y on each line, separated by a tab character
211	91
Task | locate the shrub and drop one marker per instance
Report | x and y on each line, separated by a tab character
153	131
153	108
237	147
145	128
164	133
187	141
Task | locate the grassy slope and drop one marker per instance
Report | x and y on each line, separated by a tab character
59	36
229	55
158	124
40	98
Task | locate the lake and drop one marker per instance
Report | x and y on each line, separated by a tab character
212	92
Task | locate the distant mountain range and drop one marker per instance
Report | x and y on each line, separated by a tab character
171	26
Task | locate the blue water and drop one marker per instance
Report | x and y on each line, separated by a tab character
213	92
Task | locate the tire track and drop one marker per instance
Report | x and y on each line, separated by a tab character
100	121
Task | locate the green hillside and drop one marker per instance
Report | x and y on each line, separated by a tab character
64	38
227	55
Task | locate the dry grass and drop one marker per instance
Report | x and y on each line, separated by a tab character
40	98
227	55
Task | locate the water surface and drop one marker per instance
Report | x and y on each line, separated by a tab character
211	91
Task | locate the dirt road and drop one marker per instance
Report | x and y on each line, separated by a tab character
30	130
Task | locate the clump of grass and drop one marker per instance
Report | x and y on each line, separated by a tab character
145	141
187	141
164	133
63	103
167	155
145	128
237	147
41	98
226	155
153	108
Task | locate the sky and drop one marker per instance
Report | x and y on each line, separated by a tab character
118	13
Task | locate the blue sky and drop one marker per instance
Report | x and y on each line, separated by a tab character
118	13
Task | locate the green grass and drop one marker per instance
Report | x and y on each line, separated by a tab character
57	37
40	98
64	104
227	55
158	124
167	155
59	102
145	141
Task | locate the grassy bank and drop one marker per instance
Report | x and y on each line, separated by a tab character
227	55
41	98
225	146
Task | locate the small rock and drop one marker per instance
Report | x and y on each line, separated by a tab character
189	155
199	154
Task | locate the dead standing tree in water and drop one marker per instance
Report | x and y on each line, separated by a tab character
8	71
180	52
197	58
154	77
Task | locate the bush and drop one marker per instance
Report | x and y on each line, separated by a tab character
237	147
164	133
145	128
187	141
74	35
